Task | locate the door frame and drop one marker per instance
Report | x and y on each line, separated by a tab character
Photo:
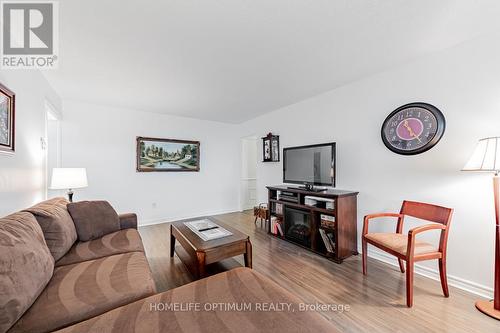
51	113
243	179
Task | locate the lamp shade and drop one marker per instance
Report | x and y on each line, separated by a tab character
486	156
68	178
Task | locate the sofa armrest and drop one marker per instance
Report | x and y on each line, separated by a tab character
128	221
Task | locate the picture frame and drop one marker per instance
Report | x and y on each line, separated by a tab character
7	120
271	148
167	155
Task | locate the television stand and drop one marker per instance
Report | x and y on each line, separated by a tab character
304	225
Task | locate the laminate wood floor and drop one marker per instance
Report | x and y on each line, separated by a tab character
377	302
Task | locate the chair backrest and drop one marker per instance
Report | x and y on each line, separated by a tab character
427	212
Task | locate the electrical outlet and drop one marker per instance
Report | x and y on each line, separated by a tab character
43	143
153	205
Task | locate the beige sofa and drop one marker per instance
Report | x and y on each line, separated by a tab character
50	280
50	290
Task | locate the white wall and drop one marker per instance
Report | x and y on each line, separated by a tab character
103	140
464	82
22	174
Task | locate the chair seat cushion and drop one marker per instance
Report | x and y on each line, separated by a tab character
399	243
84	290
240	287
122	241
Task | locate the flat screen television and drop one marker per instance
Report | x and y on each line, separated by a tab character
310	165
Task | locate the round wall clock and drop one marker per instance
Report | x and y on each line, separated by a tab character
413	128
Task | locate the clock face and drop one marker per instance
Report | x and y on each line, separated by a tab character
413	128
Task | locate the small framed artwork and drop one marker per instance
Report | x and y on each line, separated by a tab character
271	148
155	154
7	119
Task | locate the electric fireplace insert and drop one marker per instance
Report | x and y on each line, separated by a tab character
298	226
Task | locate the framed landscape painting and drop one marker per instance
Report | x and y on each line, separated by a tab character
155	154
7	119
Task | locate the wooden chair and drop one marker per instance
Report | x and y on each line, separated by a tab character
406	247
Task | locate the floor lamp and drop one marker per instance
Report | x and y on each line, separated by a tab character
486	157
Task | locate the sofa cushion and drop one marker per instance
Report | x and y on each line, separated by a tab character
84	290
26	266
93	219
122	241
57	225
238	287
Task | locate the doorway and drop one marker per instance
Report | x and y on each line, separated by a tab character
248	182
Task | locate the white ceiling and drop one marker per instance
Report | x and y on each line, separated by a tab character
232	60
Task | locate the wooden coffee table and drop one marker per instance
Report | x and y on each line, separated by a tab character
197	253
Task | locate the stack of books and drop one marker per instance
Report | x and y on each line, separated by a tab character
328	240
327	221
277	226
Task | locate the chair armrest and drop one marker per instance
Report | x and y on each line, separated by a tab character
374	216
413	232
128	221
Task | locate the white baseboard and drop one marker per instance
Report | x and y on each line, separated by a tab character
144	223
433	274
